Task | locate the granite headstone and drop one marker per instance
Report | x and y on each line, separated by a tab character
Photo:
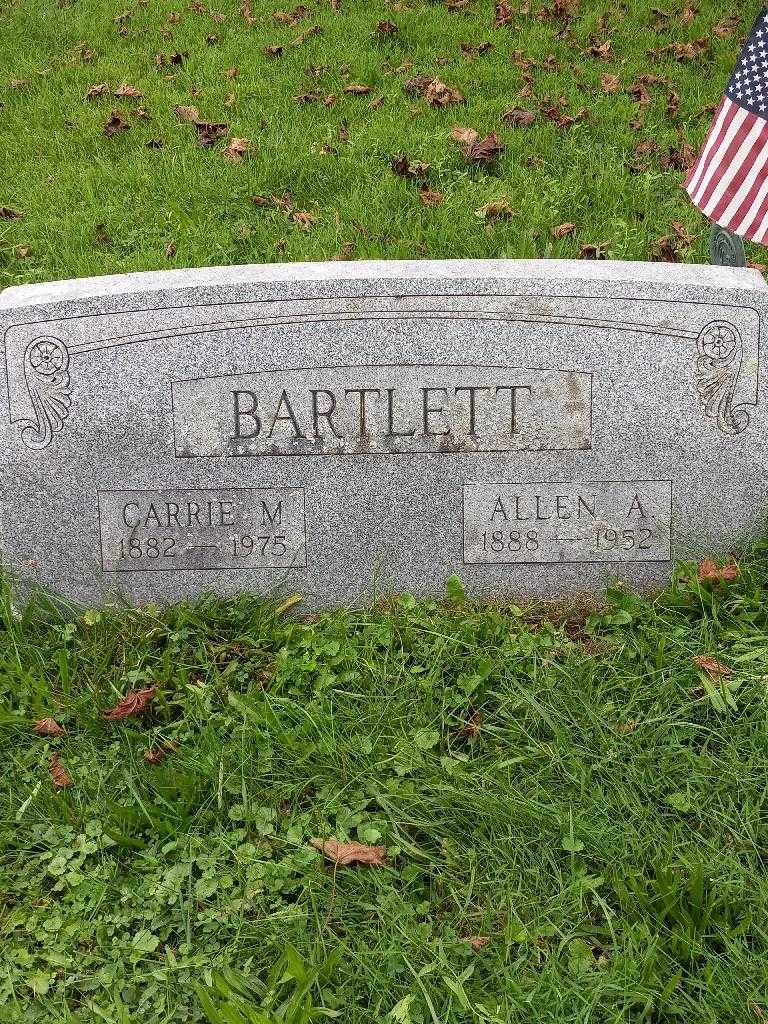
351	430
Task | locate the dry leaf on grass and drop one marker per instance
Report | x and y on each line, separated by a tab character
563	230
714	668
236	150
273	50
610	83
115	124
304	219
438	94
346	252
191	114
386	28
519	117
95	91
408	168
61	777
155	755
356	89
345	854
133	703
593	251
478	942
6	213
128	92
485	150
497	209
474	726
430	198
465	137
710	572
48	727
209	132
170	250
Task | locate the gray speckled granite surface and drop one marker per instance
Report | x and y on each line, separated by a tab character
350	429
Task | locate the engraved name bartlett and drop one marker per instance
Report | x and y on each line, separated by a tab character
383	410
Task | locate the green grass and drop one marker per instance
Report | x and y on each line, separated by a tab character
605	830
96	205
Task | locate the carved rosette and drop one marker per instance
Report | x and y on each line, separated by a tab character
721	351
46	369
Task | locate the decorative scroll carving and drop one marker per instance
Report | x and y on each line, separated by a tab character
46	369
717	372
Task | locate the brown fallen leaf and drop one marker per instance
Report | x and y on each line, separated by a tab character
628	727
155	755
230	101
563	230
639	94
24	251
485	150
231	73
430	197
61	777
555	113
94	91
6	213
303	219
679	158
170	250
115	124
438	94
418	83
600	50
236	150
273	50
209	133
519	117
593	251
133	703
682	232
502	14
314	30
714	668
378	102
664	250
128	92
610	83
474	726
345	854
478	942
191	114
18	83
497	209
308	97
471	52
386	28
155	144
346	252
725	28
356	89
408	168
48	727
673	105
465	137
710	572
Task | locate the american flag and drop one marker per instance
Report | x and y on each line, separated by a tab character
729	181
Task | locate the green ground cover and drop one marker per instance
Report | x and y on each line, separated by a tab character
570	790
95	204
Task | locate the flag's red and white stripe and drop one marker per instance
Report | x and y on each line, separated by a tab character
729	181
